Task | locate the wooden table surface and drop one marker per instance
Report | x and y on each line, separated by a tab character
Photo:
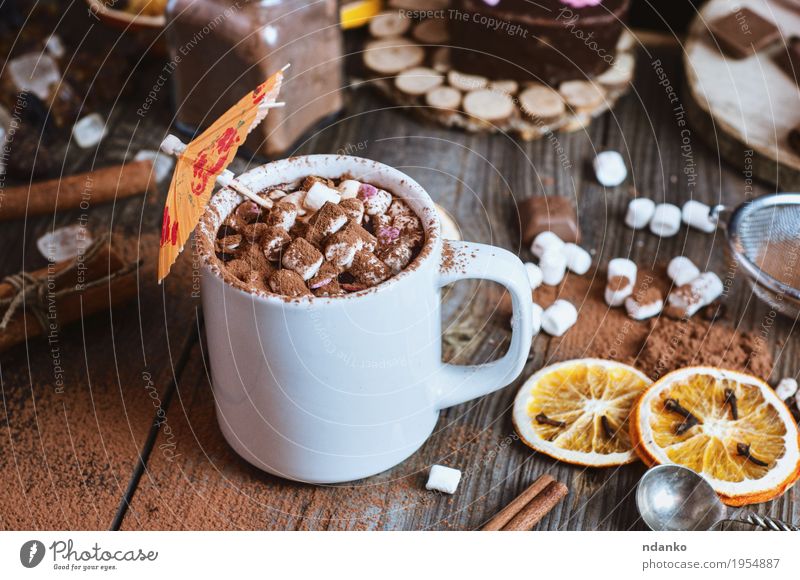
131	441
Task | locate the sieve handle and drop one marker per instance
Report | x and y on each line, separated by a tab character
720	215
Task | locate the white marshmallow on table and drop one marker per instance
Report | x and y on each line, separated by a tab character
553	264
623	267
700	292
682	270
620	268
534	275
559	318
546	241
698	215
318	194
444	479
642	311
666	220
536	318
349	188
617	297
640	212
786	388
609	167
578	259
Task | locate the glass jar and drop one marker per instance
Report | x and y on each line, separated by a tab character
221	49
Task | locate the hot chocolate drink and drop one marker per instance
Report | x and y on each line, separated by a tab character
321	237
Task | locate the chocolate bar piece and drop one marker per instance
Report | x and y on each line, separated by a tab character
548	213
788	59
743	32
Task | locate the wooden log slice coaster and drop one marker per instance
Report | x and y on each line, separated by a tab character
389	25
414	70
746	108
391	56
418	81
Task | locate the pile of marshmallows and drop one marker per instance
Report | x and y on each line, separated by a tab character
693	290
665	219
555	258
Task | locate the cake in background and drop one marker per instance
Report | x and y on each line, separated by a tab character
548	41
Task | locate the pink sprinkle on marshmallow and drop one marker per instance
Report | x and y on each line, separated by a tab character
321	283
389	234
367	191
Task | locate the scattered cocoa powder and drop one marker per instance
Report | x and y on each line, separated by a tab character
617	283
655	346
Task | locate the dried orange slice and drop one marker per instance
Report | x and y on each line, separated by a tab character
577	411
727	426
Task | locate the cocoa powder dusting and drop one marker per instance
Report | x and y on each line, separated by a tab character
655	346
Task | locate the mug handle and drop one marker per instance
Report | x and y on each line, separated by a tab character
469	261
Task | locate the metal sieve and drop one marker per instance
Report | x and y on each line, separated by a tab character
764	238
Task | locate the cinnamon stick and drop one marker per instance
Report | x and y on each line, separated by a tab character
81	298
537	508
82	190
507	513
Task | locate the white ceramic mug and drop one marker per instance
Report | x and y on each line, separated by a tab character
327	390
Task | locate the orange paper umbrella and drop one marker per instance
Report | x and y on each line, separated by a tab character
203	162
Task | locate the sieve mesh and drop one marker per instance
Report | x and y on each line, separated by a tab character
765	238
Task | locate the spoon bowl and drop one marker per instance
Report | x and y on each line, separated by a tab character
675	498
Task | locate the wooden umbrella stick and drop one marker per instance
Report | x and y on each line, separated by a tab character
175	147
94	187
507	513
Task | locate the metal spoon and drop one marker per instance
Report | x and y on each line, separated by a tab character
675	498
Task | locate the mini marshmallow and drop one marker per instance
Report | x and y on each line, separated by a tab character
617	297
283	214
621	279
302	257
700	292
698	215
640	212
682	270
318	194
666	220
444	479
578	259
349	188
609	167
296	198
545	241
553	265
623	267
786	388
534	275
639	311
354	208
536	318
559	318
376	201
